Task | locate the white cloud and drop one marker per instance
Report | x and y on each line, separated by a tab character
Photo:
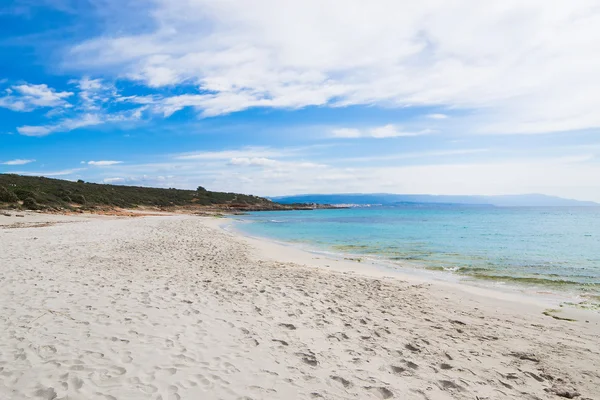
158	76
28	130
269	163
104	163
17	162
27	97
437	116
247	152
516	66
379	132
13	103
112	181
93	107
42	95
64	172
346	133
81	121
94	93
254	162
417	154
63	126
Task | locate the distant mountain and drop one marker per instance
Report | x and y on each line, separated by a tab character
386	199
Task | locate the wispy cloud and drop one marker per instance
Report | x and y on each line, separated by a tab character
424	155
104	163
64	172
249	152
240	55
114	181
94	93
380	132
63	126
270	163
437	116
17	162
80	121
28	97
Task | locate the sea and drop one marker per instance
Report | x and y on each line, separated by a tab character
532	249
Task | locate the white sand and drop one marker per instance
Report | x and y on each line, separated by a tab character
176	308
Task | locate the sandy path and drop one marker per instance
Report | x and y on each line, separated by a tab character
173	308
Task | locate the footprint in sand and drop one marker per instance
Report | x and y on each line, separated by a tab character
346	383
76	382
94	354
46	351
207	384
181	357
380	392
162	373
105	377
148	389
46	393
126	358
173	395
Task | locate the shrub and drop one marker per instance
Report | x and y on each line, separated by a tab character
30	204
6	196
22	194
78	198
63	194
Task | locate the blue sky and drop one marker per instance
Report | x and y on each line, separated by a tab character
274	98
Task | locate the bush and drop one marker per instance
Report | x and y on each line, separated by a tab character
78	198
6	196
30	204
22	194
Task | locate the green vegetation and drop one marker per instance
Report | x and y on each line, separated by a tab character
30	204
6	196
53	194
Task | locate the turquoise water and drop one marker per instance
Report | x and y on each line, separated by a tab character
542	247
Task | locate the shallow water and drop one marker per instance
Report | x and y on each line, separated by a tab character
541	247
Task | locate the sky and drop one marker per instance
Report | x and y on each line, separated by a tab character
316	96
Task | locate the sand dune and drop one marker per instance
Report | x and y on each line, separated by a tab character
175	308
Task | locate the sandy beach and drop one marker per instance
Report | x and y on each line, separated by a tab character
175	307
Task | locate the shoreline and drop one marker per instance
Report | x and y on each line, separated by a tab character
174	307
344	262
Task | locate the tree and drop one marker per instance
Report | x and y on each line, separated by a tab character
30	204
6	196
78	198
201	189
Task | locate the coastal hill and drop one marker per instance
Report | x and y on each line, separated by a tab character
39	193
386	199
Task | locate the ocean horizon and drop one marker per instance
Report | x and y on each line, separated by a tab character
540	248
